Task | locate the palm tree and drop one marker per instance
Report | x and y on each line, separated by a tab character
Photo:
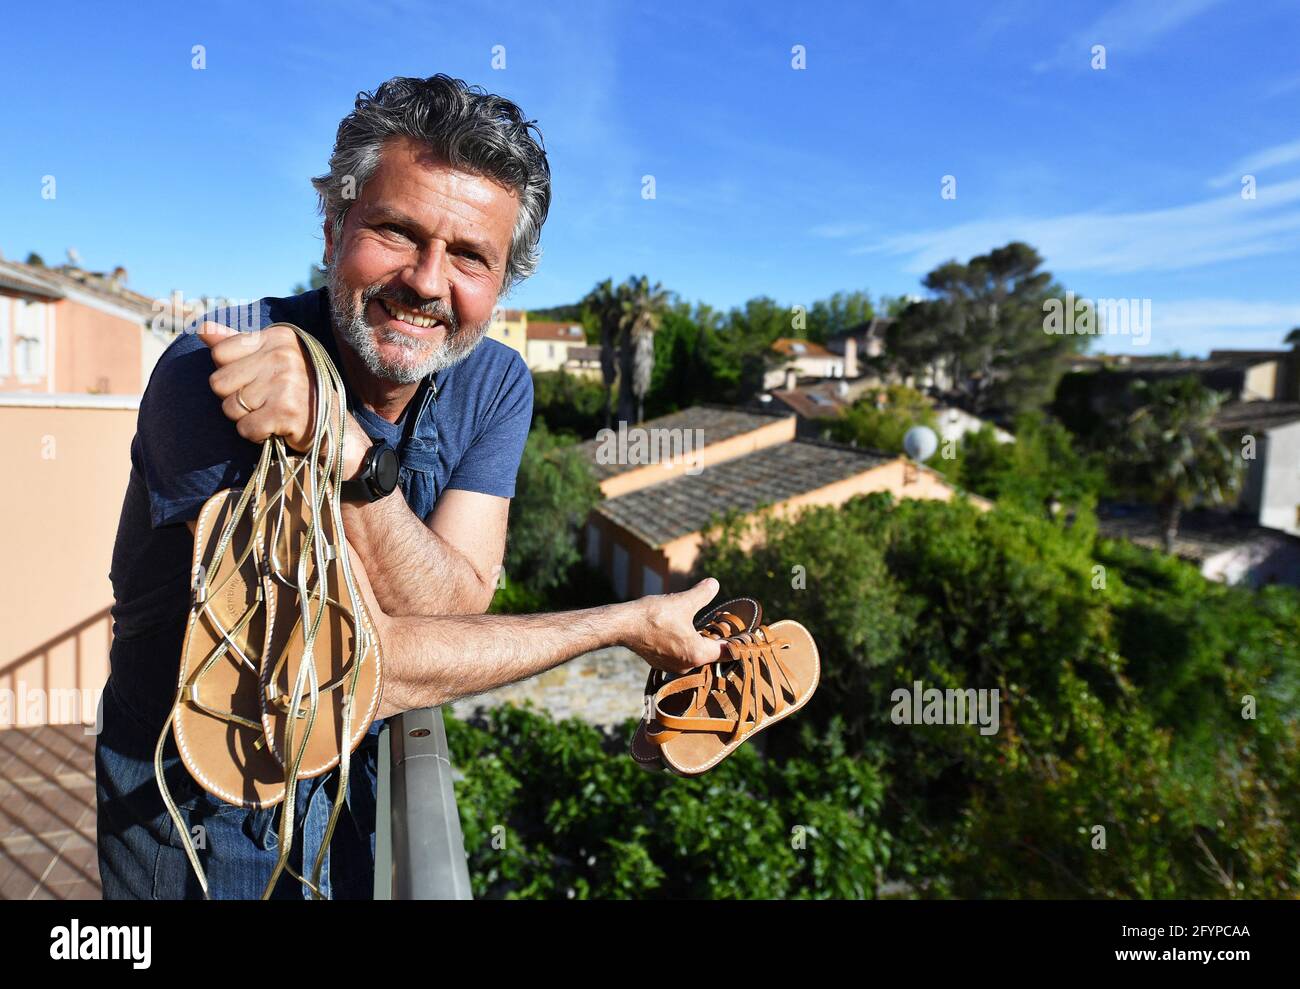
642	306
628	315
1172	452
605	303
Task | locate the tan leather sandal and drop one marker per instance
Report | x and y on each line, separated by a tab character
217	717
277	625
730	618
700	718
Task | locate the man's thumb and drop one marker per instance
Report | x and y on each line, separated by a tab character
704	592
213	333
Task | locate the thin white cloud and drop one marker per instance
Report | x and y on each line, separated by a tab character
1231	314
1261	161
1197	326
1127	28
1220	229
1282	86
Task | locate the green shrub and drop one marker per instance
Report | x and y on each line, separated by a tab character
558	810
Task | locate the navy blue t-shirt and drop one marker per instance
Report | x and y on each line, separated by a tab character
464	429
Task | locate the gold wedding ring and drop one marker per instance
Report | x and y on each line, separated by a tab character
239	397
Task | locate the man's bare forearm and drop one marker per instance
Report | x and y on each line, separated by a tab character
431	661
413	570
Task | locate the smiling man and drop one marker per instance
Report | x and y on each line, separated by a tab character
433	205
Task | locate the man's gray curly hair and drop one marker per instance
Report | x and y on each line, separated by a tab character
463	125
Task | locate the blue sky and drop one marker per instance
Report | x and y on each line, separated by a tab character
770	180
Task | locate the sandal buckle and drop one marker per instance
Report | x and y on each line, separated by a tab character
199	586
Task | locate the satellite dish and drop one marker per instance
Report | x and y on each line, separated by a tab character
920	443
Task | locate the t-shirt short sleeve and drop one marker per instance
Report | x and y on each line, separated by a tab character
491	462
188	450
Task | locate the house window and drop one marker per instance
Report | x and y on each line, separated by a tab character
4	335
651	582
550	350
620	571
29	339
593	545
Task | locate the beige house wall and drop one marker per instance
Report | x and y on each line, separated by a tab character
86	350
805	367
640	556
1260	384
68	463
550	355
97	352
512	332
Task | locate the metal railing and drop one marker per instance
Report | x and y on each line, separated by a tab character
419	849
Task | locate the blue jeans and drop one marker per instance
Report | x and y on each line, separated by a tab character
141	855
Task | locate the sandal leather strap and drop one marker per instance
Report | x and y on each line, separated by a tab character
763	678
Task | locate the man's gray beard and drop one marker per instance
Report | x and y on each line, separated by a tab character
425	358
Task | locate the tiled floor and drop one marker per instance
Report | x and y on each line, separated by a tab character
47	814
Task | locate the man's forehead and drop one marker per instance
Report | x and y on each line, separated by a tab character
411	182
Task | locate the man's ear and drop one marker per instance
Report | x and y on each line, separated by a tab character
328	228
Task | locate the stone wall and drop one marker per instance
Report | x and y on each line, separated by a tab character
603	688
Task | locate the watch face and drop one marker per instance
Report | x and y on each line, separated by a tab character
386	469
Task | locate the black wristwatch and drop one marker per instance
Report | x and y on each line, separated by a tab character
377	478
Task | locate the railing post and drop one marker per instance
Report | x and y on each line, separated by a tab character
419	850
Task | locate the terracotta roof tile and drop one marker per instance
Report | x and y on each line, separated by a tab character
718	423
546	330
688	503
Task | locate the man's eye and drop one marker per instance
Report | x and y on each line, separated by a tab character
393	228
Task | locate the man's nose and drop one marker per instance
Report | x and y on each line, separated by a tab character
427	276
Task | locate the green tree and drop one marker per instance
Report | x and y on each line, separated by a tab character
842	311
881	418
1041	466
316	279
554	494
604	303
682	374
744	342
1171	452
567	403
982	335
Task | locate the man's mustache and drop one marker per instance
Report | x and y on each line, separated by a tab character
432	308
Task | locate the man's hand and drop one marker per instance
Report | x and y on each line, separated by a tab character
267	370
663	629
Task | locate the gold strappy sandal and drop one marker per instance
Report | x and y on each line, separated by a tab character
277	625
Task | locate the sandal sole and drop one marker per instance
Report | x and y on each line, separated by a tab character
230	761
